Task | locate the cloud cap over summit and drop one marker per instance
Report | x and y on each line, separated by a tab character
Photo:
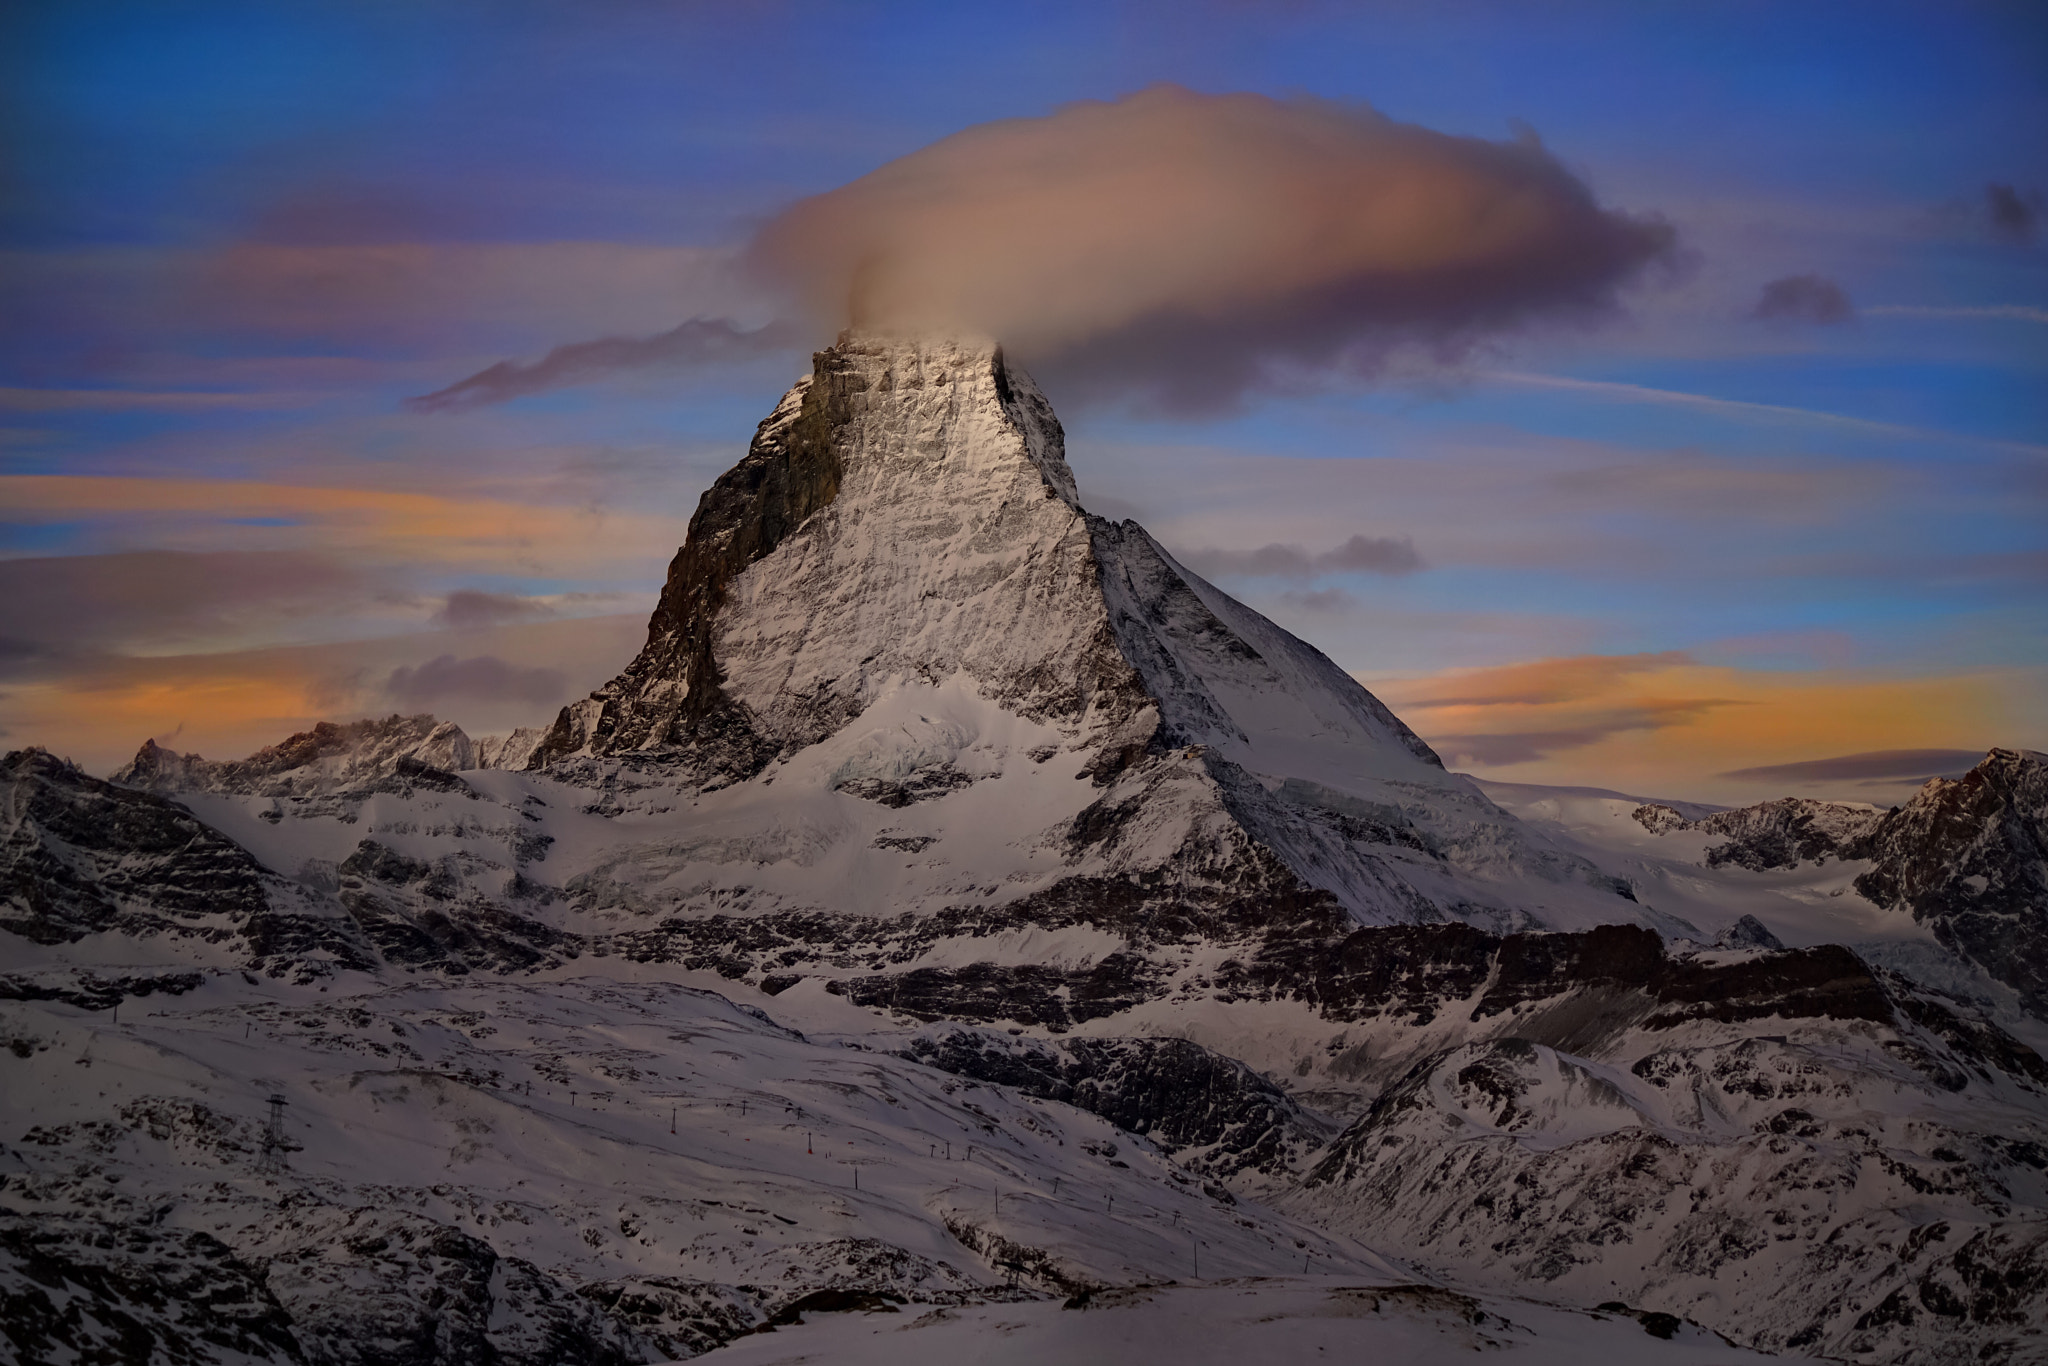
1183	248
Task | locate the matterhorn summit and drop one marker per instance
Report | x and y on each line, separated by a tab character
897	612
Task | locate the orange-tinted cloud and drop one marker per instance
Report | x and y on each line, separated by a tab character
413	527
1178	249
1666	725
58	611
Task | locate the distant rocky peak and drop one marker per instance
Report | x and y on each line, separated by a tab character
329	757
1968	857
1774	834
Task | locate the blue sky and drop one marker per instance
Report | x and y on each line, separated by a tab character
236	237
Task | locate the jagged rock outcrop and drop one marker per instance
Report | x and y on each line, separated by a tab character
1966	856
916	501
1210	1113
1656	1162
328	758
514	750
80	856
87	1291
1969	857
1748	933
1773	834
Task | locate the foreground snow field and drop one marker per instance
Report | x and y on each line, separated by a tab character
494	1163
1236	1321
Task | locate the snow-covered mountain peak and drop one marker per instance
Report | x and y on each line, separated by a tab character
897	596
327	758
905	514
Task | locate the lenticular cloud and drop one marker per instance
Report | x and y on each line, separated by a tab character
1181	248
1171	250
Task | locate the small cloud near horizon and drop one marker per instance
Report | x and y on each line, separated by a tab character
480	678
1804	299
468	609
1360	554
2011	214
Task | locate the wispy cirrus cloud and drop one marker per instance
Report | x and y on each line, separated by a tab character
698	342
384	525
139	400
1804	299
1884	765
2025	313
1741	408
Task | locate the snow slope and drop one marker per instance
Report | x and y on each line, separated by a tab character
1241	1319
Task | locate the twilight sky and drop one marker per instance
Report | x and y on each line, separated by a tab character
1649	397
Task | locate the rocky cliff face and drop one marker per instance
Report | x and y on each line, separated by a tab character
84	860
906	512
1774	834
1968	857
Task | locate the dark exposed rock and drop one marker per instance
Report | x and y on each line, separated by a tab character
1437	1170
1748	933
382	1288
1782	833
1056	998
680	1318
85	1291
1571	989
921	785
420	915
91	991
1969	857
683	1318
1176	1093
1966	856
1773	834
671	694
83	856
